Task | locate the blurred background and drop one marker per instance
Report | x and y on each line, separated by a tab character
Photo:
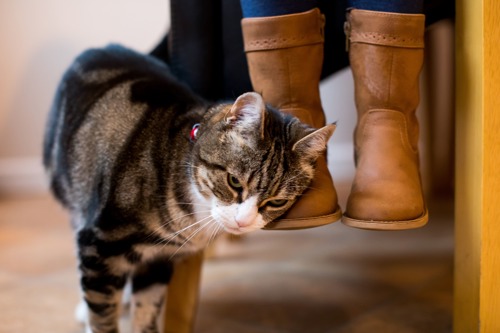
39	40
330	279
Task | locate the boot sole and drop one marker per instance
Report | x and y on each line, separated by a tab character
387	225
304	223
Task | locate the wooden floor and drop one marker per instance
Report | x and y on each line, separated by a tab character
332	279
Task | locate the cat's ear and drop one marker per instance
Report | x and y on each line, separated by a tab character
313	144
248	111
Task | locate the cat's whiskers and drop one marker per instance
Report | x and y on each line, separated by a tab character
164	224
190	165
177	233
215	233
183	216
193	204
207	223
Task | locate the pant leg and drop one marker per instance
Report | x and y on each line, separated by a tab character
261	8
393	6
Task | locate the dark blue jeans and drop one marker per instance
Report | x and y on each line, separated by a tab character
260	8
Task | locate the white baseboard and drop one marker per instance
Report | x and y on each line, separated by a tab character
22	176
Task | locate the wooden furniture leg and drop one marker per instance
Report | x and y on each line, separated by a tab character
182	295
477	203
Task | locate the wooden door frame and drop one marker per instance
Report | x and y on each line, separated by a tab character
477	212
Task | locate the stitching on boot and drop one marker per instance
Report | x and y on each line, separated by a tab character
396	18
388	39
282	42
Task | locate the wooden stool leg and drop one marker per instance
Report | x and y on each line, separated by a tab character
182	295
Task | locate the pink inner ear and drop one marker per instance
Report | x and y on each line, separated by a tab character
247	102
247	110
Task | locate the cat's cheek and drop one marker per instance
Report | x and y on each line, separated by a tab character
204	192
201	192
272	215
219	215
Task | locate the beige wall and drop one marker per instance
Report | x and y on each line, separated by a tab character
38	40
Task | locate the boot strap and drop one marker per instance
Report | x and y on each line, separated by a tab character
279	32
389	29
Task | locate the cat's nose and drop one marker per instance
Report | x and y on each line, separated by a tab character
247	212
245	221
246	217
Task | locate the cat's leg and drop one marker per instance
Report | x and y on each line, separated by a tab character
81	314
102	281
149	282
102	293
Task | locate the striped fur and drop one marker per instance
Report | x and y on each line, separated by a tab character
141	194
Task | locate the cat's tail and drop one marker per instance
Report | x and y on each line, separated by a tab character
51	131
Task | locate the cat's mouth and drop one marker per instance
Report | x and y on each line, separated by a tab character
231	226
234	231
241	230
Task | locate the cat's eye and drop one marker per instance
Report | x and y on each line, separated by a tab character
277	202
234	182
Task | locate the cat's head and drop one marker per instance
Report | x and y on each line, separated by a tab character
251	162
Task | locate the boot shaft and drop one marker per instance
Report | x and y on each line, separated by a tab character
386	53
285	58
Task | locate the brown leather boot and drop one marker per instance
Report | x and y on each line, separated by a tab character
285	57
386	56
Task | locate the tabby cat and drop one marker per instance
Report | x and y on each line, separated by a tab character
150	173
